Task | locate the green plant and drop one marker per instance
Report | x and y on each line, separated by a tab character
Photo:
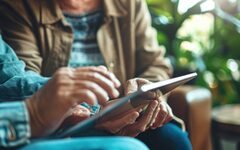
212	52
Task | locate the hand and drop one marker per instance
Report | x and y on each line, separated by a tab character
129	123
162	113
77	114
68	88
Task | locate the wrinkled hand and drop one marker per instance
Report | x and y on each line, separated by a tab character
129	123
156	113
161	114
68	88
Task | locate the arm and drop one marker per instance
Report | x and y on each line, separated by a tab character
18	33
14	124
15	82
155	66
151	65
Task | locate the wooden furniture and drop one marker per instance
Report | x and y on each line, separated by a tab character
226	124
193	105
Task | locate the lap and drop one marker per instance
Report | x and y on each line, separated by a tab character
167	137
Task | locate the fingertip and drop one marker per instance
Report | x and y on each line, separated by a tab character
117	83
136	114
154	103
115	93
104	68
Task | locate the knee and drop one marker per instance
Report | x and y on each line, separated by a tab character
173	137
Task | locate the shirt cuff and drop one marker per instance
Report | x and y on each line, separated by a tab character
14	124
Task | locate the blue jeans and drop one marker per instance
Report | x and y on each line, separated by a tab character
168	137
89	143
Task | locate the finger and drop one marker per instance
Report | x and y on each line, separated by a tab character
141	124
111	76
131	86
116	125
81	111
84	95
100	93
145	120
155	114
170	114
134	84
162	115
77	114
103	71
102	81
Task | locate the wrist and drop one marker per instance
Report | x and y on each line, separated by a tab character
37	127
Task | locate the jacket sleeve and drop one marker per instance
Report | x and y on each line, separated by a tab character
15	82
17	32
14	124
151	63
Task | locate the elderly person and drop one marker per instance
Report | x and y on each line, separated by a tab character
49	34
41	114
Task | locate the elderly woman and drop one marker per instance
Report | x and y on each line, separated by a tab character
49	34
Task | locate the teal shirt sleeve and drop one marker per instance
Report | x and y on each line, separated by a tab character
15	82
14	124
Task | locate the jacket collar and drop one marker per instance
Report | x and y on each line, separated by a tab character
50	11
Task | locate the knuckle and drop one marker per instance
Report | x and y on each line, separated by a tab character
95	75
58	78
89	94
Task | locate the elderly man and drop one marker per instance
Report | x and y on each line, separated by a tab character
49	34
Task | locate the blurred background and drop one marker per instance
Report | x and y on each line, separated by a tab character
202	36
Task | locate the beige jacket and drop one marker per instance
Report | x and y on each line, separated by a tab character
38	32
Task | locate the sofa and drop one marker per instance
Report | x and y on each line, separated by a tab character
193	105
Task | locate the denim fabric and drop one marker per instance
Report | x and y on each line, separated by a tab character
14	124
90	143
167	137
15	82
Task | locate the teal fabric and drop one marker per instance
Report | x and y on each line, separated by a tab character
85	49
14	124
89	143
15	82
